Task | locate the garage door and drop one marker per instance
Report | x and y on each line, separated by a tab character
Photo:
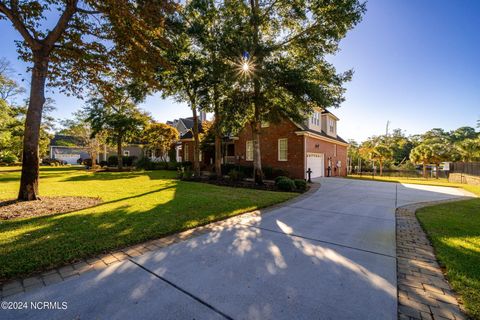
315	161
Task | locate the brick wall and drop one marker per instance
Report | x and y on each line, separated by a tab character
328	149
190	150
269	147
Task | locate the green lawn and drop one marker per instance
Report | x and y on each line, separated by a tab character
137	206
454	230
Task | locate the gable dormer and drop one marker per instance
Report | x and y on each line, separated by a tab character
329	123
314	122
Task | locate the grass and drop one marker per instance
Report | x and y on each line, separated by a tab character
137	206
454	230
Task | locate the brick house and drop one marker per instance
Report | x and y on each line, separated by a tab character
286	145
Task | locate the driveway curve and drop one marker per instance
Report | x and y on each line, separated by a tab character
328	256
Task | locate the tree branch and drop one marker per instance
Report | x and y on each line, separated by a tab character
57	31
14	17
87	11
295	37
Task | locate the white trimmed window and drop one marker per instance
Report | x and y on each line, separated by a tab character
331	125
126	153
315	119
265	124
185	153
249	151
282	149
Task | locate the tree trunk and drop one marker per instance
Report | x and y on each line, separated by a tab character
381	167
257	156
218	137
94	159
424	170
196	144
256	125
30	158
119	153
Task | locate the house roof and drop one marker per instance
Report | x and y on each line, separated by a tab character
321	133
325	111
189	133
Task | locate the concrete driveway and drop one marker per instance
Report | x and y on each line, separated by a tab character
329	256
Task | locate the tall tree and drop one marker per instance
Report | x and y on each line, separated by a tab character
468	149
71	53
280	46
161	137
118	118
422	154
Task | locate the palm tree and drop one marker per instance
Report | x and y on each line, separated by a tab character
469	149
422	154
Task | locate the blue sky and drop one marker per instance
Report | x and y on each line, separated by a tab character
416	65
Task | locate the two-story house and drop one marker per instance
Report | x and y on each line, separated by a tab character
287	145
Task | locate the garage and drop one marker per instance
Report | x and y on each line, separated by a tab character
316	162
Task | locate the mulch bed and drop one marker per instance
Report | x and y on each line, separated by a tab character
268	185
12	209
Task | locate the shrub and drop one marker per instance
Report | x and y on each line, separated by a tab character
103	163
286	184
87	162
128	161
277	179
235	175
300	184
186	174
9	158
144	163
112	161
52	162
172	165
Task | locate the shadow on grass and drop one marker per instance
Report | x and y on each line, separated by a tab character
45	242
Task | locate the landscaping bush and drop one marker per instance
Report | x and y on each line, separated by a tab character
87	162
235	175
112	161
286	184
53	162
277	179
103	163
247	171
144	163
300	184
185	173
128	161
172	165
8	158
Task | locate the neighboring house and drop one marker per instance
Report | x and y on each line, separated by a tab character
70	150
287	145
184	126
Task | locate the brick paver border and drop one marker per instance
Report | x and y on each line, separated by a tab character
15	286
423	291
